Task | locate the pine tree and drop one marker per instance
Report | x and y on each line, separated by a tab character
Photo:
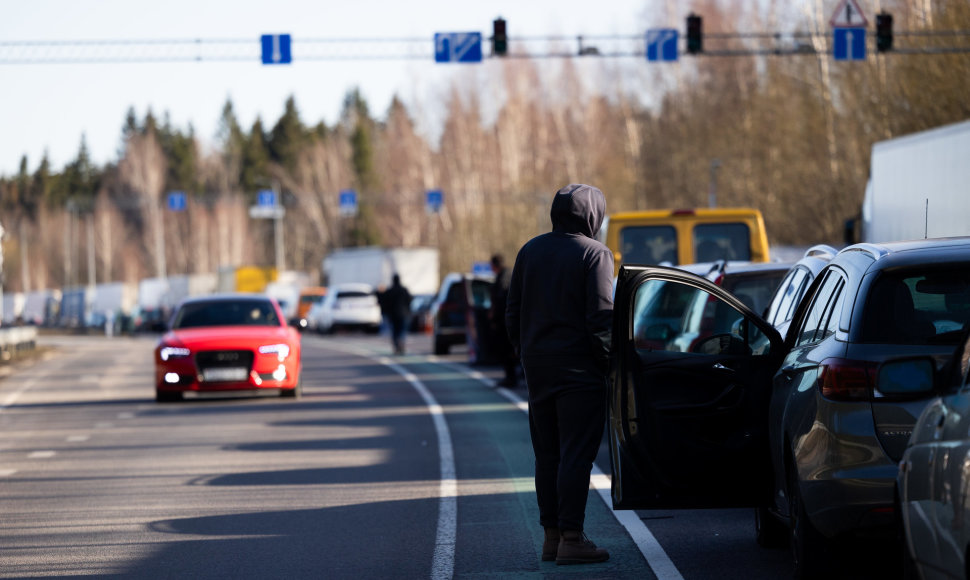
288	137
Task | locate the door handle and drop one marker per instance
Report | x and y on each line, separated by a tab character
720	367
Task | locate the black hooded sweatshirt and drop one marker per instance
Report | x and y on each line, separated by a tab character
560	304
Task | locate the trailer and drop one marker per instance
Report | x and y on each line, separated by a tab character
918	186
417	267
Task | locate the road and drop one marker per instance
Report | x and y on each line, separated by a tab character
388	467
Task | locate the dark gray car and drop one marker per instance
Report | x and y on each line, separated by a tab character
794	427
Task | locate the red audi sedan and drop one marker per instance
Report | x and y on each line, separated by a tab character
227	343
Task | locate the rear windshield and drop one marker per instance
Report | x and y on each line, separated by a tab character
755	290
649	245
225	313
918	307
727	241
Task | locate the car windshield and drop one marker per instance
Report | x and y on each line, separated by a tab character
918	307
225	313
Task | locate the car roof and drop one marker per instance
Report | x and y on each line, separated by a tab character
730	268
909	252
226	297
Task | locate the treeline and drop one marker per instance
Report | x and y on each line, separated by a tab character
789	135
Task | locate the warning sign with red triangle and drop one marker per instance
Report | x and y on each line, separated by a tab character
848	15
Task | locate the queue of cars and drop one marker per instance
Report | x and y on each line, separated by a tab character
710	406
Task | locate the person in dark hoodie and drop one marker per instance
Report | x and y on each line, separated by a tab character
559	315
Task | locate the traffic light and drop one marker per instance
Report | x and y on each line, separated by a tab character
695	40
884	32
500	42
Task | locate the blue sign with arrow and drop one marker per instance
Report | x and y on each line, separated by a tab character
849	44
276	49
176	200
458	47
662	45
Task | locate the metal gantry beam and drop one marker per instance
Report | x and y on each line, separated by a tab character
174	50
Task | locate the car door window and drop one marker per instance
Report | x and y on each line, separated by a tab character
672	316
816	320
793	287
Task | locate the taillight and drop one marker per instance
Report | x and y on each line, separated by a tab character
847	380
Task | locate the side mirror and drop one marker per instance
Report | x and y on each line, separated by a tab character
909	377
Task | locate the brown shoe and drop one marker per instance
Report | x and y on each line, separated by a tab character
576	548
550	546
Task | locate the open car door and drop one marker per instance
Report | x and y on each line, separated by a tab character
690	382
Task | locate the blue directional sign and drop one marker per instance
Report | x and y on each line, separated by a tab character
276	49
482	268
266	198
348	202
458	47
849	44
176	200
662	44
435	199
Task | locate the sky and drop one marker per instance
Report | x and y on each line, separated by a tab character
48	107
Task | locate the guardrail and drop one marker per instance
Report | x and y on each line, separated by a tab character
14	341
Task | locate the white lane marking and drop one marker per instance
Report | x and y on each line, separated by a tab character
46	454
443	560
104	425
658	560
126	415
7	472
77	438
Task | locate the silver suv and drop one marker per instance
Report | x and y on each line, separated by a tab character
794	427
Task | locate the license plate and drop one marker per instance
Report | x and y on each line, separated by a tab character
225	374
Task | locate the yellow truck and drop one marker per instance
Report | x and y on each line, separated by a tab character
685	236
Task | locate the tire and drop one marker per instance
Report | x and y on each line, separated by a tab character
440	347
811	552
167	396
770	532
296	392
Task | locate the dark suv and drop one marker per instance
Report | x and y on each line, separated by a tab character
459	312
794	427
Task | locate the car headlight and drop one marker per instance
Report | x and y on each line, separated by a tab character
168	352
280	350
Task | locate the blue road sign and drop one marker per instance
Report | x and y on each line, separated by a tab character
434	200
662	44
849	44
348	202
266	198
176	200
458	47
482	268
276	49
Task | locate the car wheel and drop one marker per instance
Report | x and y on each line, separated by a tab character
440	346
296	392
810	550
769	531
167	396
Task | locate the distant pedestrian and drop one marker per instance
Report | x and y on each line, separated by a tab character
559	317
501	344
396	306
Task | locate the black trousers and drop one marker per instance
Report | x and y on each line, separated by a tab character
567	414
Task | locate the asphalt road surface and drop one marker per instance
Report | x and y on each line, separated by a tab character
387	467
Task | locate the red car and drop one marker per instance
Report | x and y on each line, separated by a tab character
232	342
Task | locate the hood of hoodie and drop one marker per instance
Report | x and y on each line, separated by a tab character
578	209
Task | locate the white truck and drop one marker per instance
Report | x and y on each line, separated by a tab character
919	186
417	267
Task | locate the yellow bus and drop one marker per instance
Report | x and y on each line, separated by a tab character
685	236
